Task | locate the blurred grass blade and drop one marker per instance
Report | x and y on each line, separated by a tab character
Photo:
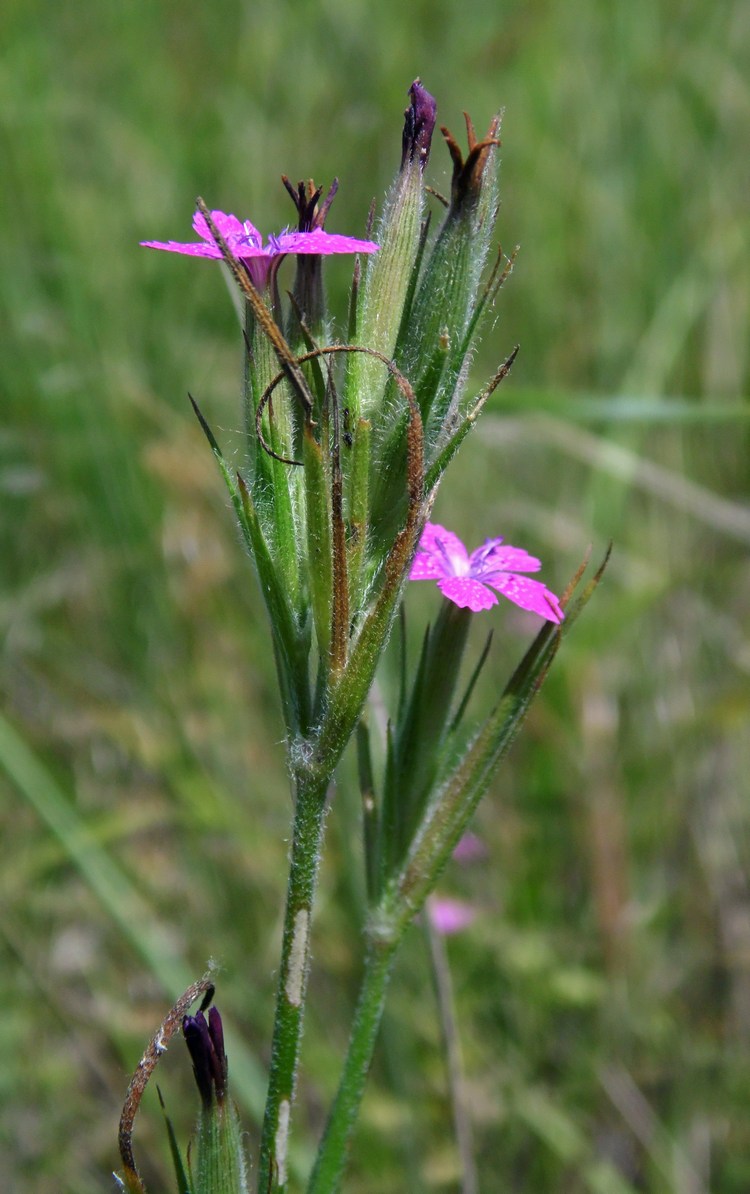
183	1184
118	896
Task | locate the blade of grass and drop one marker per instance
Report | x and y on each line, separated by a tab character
118	896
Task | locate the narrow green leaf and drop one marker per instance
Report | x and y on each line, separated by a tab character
369	808
291	645
183	1184
319	551
359	502
418	735
449	448
291	642
458	717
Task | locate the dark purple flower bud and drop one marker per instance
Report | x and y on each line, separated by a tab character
216	1032
419	124
205	1042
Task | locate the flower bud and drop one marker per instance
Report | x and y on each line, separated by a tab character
389	274
218	1162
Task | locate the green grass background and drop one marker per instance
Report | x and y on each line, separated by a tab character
604	990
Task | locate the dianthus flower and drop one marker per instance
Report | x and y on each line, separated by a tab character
464	578
244	240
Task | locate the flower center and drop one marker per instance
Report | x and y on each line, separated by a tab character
251	237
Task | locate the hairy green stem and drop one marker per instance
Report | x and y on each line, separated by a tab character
334	1147
290	999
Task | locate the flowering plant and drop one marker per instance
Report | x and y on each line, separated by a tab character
345	446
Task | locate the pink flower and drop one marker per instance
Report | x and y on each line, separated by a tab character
470	848
450	916
464	578
245	241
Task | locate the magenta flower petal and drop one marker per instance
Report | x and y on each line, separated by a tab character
323	243
174	246
230	228
492	557
440	554
463	578
245	241
467	593
529	594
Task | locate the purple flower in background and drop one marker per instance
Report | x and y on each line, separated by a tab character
449	916
463	578
246	242
470	848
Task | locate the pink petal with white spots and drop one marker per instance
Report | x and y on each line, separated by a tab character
467	593
529	594
323	243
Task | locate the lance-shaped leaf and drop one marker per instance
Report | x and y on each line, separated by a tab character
449	401
418	734
291	641
180	1171
453	437
320	569
360	435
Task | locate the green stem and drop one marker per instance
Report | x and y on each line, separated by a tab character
332	1153
290	999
